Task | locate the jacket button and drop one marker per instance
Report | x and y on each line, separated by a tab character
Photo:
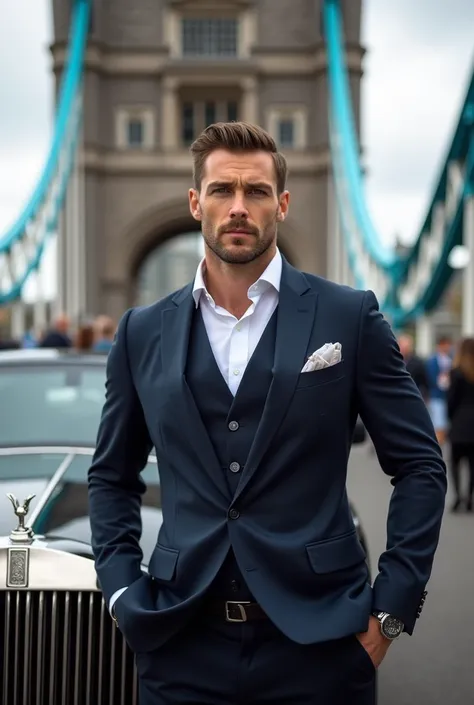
234	514
234	467
233	426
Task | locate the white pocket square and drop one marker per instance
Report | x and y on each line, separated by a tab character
327	356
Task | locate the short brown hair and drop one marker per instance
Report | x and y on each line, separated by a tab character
84	339
236	137
465	358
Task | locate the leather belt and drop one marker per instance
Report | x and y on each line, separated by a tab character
234	610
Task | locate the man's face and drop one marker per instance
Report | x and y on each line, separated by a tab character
238	205
444	347
405	345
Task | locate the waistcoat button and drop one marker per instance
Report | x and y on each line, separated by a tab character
234	467
234	514
233	426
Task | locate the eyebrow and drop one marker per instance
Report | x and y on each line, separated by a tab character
252	184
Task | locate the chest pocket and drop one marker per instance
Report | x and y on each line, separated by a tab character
317	378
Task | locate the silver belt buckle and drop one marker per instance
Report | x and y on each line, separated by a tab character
240	605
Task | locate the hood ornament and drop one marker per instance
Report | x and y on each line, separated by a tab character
22	533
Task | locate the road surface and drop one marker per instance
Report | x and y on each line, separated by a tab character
435	666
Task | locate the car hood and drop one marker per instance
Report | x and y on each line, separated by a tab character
21	489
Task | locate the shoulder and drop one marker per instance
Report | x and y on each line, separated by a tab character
146	317
339	294
356	309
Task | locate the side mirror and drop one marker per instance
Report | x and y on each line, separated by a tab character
360	434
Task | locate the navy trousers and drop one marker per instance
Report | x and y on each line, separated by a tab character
213	662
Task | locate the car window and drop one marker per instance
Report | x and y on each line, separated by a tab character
58	405
37	466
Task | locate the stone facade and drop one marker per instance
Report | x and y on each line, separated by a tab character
141	77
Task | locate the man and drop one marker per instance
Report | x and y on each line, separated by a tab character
414	364
58	335
438	368
104	332
258	589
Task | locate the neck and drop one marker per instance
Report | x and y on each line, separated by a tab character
228	284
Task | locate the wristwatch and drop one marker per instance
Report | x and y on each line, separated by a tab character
391	627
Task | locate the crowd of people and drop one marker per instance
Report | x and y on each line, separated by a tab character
90	335
446	382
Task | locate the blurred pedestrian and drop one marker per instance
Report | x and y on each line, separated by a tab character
460	401
104	331
29	340
438	368
58	335
84	338
415	365
9	344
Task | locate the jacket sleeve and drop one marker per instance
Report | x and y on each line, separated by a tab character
115	484
399	424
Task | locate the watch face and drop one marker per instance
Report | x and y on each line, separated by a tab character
392	627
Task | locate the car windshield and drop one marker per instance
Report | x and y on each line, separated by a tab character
66	514
23	475
51	405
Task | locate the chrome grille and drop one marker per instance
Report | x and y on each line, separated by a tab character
62	648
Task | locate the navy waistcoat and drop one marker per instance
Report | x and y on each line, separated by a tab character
218	409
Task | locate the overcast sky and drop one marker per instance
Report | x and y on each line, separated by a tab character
419	58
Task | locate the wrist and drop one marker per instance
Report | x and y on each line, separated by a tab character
390	626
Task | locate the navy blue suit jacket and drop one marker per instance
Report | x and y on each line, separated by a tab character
293	538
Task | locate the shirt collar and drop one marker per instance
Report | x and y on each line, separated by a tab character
271	275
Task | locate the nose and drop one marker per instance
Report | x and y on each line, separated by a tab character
238	208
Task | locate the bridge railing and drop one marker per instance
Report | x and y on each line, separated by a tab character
425	272
411	285
23	245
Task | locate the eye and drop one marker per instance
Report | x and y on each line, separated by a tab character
258	191
221	189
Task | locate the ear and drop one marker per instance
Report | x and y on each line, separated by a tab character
194	205
283	205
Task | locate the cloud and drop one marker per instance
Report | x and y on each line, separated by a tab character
26	97
416	72
25	78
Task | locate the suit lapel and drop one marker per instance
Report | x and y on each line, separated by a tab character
176	326
295	320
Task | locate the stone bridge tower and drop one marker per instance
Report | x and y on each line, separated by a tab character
156	73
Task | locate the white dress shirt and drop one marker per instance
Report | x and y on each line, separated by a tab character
234	340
